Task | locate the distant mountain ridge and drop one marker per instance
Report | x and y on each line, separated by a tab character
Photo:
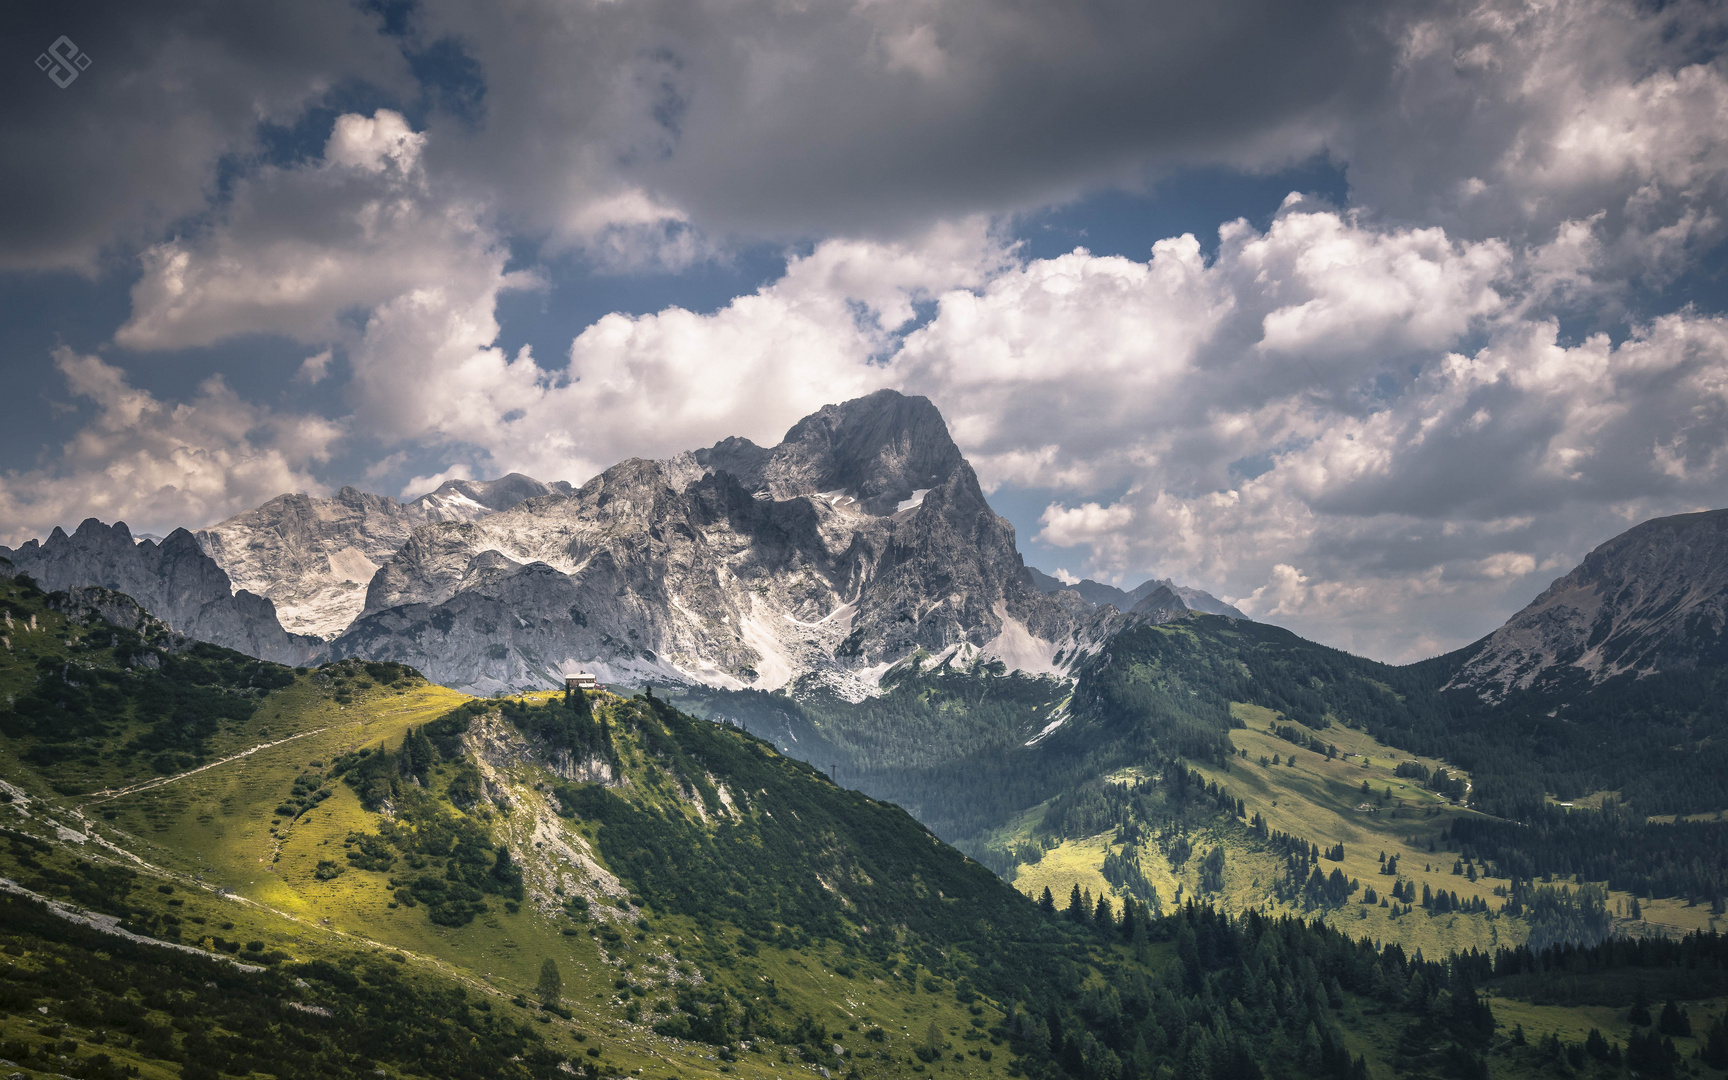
1095	592
1653	599
314	556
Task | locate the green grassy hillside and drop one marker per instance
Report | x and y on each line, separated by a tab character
214	867
1225	699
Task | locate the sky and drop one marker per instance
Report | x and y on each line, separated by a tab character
1372	318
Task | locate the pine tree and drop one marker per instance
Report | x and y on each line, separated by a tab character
1047	903
1674	1020
932	1043
551	987
1596	1046
1102	916
1076	906
1716	1046
1640	1014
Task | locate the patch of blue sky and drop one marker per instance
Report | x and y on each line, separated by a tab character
1128	223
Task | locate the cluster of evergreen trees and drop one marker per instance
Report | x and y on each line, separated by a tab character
429	783
1616	845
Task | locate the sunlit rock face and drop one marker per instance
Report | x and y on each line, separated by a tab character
313	557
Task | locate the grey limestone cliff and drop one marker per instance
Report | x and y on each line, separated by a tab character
314	556
175	581
860	537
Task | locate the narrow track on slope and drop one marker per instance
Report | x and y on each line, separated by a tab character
112	793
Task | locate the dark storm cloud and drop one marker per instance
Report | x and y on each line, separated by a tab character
781	119
134	142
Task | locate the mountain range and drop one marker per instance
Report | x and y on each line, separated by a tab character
1096	593
817	564
859	539
314	557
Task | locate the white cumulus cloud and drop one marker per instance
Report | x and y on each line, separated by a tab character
157	465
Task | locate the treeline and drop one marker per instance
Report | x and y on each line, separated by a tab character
1621	973
1248	997
1615	845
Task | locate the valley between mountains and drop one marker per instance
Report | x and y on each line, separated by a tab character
863	795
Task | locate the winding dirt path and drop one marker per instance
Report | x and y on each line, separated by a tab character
106	795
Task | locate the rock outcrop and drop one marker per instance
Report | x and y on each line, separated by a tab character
1653	599
313	557
861	537
175	581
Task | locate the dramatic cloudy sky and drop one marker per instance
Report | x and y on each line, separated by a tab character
1373	317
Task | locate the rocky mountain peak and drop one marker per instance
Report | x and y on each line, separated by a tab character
876	453
447	501
1160	605
1654	598
861	537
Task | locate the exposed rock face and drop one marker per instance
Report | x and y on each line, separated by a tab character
313	557
118	609
862	536
174	581
1654	598
1094	592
